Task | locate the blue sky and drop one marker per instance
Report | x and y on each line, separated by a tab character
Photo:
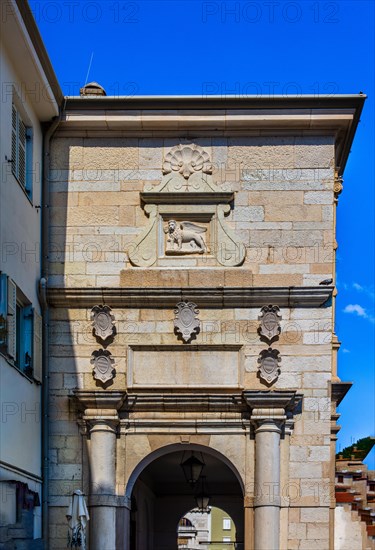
242	47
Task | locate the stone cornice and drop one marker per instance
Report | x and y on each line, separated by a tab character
194	402
223	297
216	116
339	391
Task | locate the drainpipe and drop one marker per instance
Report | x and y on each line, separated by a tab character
45	315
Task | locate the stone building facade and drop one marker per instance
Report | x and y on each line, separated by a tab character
191	306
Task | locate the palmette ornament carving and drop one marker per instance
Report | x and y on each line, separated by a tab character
269	322
269	365
102	322
186	321
103	365
187	159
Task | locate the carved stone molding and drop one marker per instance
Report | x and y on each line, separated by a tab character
269	322
166	297
186	321
269	365
103	365
143	252
102	322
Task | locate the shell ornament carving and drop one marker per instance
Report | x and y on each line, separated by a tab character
186	321
187	159
103	365
102	322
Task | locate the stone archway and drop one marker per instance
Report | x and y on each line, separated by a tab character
160	495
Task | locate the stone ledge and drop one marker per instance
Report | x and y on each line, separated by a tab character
167	297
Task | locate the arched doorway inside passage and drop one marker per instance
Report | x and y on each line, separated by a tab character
160	495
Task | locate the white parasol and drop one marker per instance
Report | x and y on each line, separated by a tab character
77	516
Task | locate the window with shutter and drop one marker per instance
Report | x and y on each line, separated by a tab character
12	320
21	151
20	330
37	347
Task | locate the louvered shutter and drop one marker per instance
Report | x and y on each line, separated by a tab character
3	310
14	142
37	347
21	152
12	319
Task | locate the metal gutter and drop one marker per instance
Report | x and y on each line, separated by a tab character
45	315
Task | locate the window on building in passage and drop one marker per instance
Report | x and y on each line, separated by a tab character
20	330
21	151
226	539
226	523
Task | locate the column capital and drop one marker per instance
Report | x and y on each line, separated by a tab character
98	400
268	404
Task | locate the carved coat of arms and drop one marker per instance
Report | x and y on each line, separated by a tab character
186	321
103	365
102	322
269	322
269	365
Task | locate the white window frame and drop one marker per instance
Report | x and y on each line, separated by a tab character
227	526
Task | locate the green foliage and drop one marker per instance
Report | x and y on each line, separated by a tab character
360	449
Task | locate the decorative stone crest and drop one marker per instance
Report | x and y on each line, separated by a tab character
185	237
187	159
102	321
186	321
269	322
269	365
103	365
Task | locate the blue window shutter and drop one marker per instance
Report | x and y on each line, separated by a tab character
26	347
3	309
11	319
37	347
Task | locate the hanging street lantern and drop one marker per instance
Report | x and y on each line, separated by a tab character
192	467
202	498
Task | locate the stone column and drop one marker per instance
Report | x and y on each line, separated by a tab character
267	480
268	416
103	499
100	416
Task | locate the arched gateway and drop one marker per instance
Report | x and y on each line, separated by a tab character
160	494
191	310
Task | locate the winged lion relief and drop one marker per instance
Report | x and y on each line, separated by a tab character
185	237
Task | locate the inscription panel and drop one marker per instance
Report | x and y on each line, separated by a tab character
184	366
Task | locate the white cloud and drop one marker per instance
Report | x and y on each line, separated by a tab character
356	308
357	286
345	350
359	310
367	290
